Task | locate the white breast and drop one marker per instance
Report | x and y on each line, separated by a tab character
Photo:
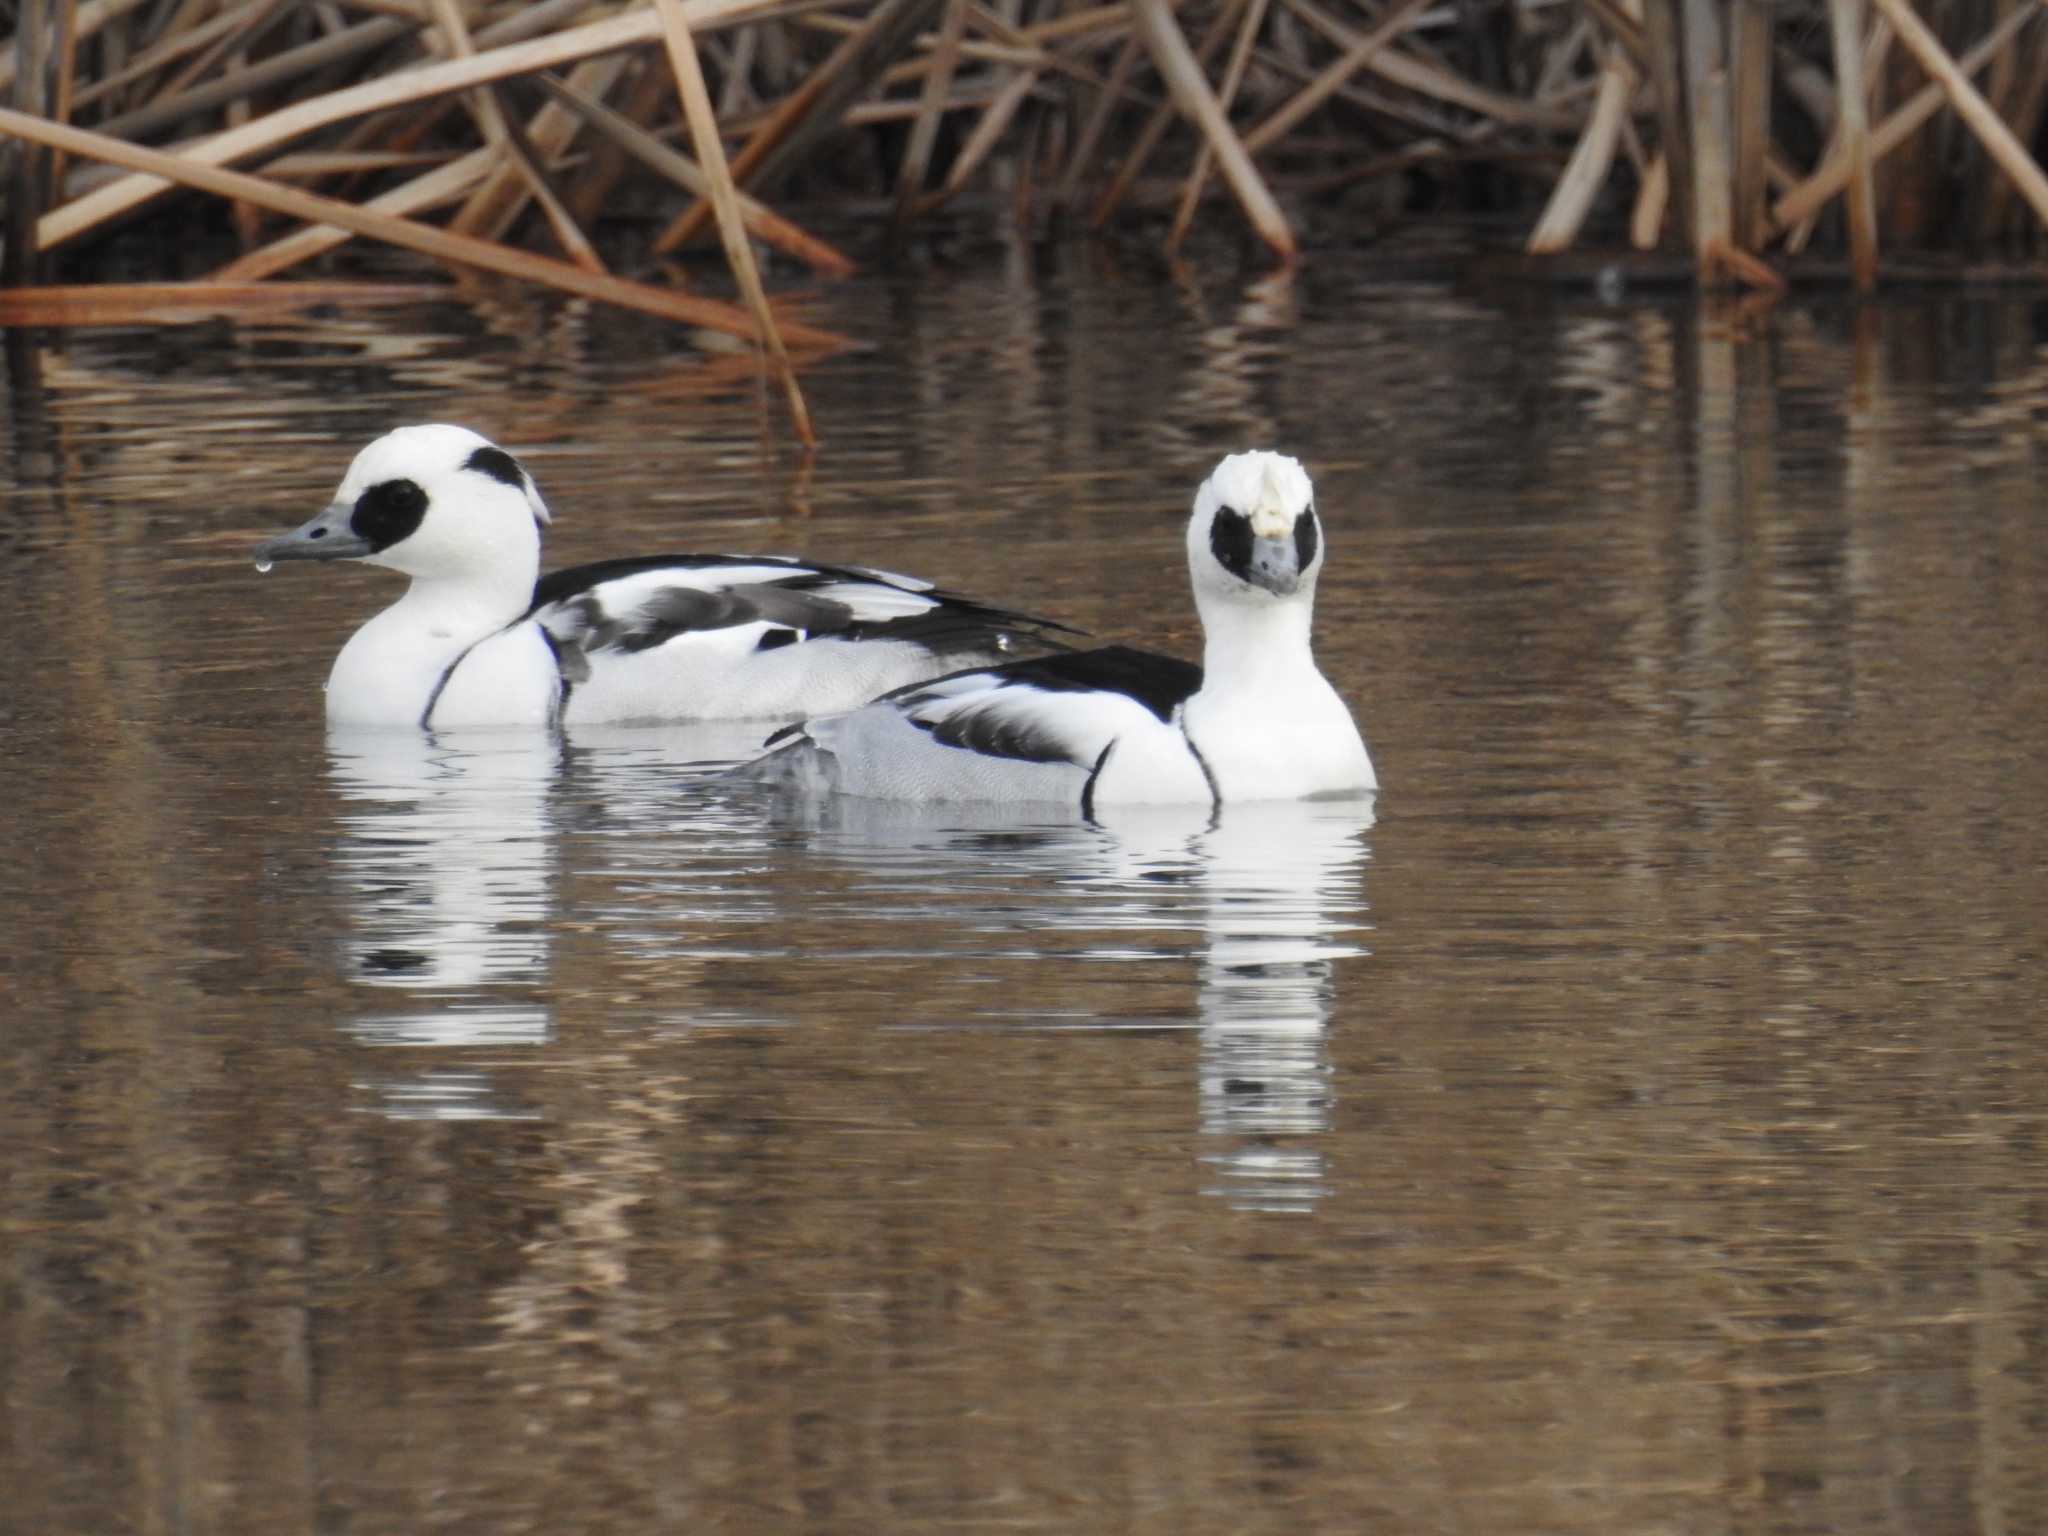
1291	740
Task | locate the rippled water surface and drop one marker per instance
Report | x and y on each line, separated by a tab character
1633	1122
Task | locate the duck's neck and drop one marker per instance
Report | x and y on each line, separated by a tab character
476	603
390	668
1250	646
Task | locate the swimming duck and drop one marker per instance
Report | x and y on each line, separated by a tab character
477	640
1117	726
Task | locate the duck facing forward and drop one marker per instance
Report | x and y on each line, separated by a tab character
480	639
1116	726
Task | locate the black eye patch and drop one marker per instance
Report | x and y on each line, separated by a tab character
1305	539
1230	541
387	513
499	465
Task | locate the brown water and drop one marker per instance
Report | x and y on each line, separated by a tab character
1637	1127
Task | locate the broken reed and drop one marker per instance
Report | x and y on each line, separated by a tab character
498	135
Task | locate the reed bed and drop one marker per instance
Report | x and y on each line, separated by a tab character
581	145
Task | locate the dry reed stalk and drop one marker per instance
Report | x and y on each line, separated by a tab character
1190	90
979	99
521	151
2006	152
312	164
1561	59
703	121
433	190
762	222
987	133
86	22
1834	151
1852	117
1632	143
482	105
1107	100
61	103
1161	118
132	303
1625	26
1075	25
425	83
460	250
814	106
924	132
1397	68
493	208
1355	57
2029	99
519	177
1750	60
1403	108
1233	77
521	162
1710	121
244	27
247	221
646	91
1661	38
28	166
1831	176
1743	267
1646	220
972	50
1592	158
168	111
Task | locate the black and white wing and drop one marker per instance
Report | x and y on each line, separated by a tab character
758	638
763	602
1037	730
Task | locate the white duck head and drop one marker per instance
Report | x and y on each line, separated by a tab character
438	502
1254	537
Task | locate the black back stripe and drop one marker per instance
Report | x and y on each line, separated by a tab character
1160	683
562	678
440	685
568	683
1088	789
1201	762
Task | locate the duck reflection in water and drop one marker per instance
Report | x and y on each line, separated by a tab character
449	861
1285	900
446	860
1272	891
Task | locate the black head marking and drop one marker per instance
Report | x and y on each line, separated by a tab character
388	512
1230	541
1305	539
775	639
498	464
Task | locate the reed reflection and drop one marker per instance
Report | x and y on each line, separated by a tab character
446	861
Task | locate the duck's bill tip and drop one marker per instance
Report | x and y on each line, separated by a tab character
324	538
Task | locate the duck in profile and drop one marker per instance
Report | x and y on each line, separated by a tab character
481	639
1121	727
